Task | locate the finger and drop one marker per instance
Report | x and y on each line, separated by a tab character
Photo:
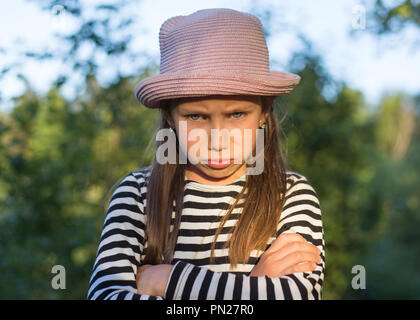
284	238
299	257
300	267
292	247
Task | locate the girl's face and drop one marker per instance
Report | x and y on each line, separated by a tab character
210	122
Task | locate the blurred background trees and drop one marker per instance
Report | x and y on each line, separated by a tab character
61	158
391	17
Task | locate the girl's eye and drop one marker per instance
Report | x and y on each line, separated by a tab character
196	116
240	113
192	116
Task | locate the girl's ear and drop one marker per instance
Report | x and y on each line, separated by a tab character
263	119
170	122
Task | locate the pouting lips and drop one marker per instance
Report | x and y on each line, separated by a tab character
219	164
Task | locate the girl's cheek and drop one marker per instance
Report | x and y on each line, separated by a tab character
244	145
195	149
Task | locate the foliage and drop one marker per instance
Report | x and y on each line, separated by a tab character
395	17
362	164
58	163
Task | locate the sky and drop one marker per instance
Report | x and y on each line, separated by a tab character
365	62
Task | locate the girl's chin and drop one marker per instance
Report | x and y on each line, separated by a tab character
208	175
219	172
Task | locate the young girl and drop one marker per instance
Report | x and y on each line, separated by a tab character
210	227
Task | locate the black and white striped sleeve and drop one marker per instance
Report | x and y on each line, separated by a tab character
301	215
120	247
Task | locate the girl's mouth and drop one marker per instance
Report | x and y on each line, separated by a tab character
223	163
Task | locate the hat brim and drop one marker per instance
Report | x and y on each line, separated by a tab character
152	90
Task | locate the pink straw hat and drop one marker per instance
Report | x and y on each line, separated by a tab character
213	52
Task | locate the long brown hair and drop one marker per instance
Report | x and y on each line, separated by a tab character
263	199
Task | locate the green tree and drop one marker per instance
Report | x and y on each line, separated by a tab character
328	140
394	18
393	257
58	163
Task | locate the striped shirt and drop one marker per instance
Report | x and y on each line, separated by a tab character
122	245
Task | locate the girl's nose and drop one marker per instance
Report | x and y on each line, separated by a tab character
219	138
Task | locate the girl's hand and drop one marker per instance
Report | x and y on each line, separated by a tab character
289	253
152	279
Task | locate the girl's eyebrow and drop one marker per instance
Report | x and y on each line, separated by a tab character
236	108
